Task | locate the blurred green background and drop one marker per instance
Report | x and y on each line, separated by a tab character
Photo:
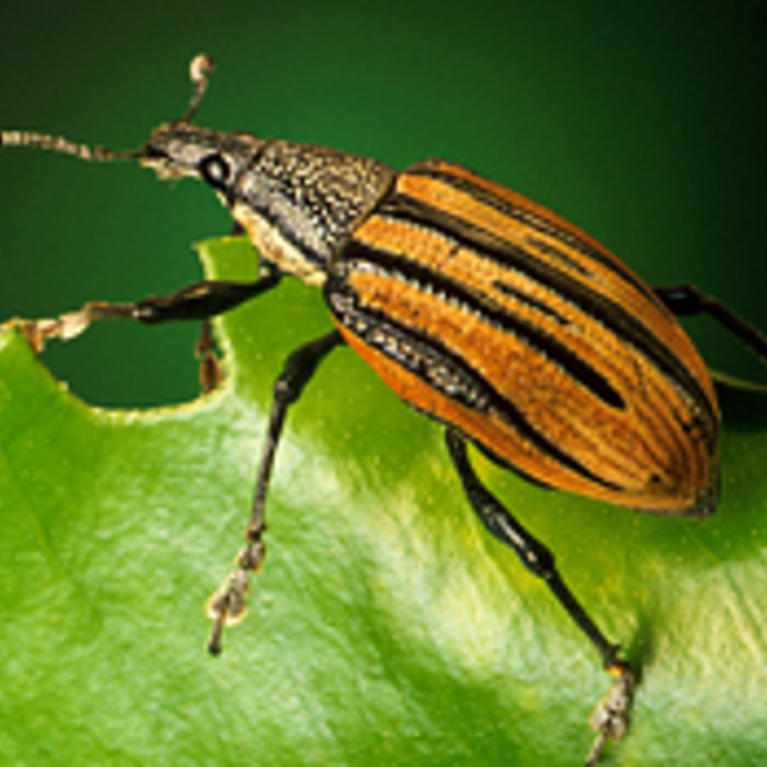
641	122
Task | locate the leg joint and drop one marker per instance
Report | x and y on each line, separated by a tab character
684	300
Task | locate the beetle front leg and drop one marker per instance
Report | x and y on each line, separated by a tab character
610	716
198	301
201	301
227	605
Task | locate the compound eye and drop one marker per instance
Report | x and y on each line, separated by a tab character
215	170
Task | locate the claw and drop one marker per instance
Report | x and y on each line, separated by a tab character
226	607
610	717
66	326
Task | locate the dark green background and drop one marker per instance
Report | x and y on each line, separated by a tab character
643	124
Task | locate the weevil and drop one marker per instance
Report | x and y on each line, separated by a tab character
514	329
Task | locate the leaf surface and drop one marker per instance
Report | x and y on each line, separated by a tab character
386	626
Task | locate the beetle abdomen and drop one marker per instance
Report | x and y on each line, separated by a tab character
493	314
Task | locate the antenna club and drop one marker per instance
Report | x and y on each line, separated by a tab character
198	67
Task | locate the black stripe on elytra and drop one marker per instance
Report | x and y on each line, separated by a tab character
612	315
539	223
522	297
428	359
491	312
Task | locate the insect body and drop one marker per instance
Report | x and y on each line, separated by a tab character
481	309
501	319
487	312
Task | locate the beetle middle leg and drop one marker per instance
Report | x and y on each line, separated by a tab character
227	605
610	716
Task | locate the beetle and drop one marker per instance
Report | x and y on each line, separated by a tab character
516	330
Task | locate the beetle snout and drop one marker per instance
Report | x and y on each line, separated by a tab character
175	150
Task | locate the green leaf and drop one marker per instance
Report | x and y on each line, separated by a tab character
386	626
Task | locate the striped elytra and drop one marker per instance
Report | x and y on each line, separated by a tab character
490	313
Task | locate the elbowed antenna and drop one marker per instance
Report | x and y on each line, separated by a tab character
198	66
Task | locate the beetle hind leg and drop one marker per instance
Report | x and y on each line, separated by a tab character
611	715
688	300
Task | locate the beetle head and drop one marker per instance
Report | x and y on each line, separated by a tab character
180	149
